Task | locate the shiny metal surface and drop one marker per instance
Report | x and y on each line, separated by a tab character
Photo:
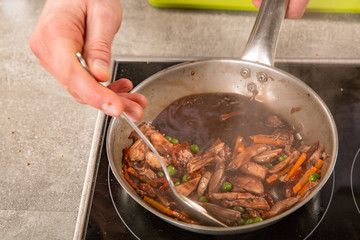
261	46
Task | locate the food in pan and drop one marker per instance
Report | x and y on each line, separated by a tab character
228	153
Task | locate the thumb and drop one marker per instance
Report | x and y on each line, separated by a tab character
102	23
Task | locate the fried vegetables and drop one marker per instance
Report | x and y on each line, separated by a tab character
255	169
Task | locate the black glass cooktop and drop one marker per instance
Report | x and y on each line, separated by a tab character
332	214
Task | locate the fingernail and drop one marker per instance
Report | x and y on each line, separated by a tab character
101	65
110	109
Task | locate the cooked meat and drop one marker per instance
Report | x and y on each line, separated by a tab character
286	137
183	156
199	162
268	156
255	203
314	157
215	149
280	207
161	144
232	195
254	169
303	148
145	171
147	189
226	215
274	122
203	184
138	150
152	160
283	164
188	187
249	183
218	177
251	213
246	155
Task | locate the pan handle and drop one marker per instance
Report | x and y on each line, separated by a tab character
261	45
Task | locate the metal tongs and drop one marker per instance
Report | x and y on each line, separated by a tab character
193	209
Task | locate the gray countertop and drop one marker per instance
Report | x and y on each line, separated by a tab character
46	135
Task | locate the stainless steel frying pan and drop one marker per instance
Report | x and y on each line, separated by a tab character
280	91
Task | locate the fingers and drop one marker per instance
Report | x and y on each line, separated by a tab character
120	86
60	34
296	8
104	98
103	22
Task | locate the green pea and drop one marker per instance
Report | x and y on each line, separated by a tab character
258	219
177	183
160	174
203	199
240	222
226	187
249	221
168	138
283	157
185	178
269	165
171	169
194	148
313	177
239	208
174	141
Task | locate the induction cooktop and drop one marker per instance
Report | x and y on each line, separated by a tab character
108	212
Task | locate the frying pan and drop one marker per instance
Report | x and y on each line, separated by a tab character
253	73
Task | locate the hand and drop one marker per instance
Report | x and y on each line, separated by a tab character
296	8
88	26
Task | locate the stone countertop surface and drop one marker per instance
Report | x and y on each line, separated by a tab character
46	135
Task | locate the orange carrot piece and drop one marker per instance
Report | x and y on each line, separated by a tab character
304	179
168	211
266	140
319	164
241	149
272	178
158	206
295	177
304	188
297	164
277	175
239	143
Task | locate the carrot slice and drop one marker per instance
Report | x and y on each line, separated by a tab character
304	179
319	164
272	178
304	188
277	175
158	206
168	211
266	140
297	164
295	177
241	149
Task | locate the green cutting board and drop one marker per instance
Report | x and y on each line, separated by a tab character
344	6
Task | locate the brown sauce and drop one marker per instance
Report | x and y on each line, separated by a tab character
201	119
